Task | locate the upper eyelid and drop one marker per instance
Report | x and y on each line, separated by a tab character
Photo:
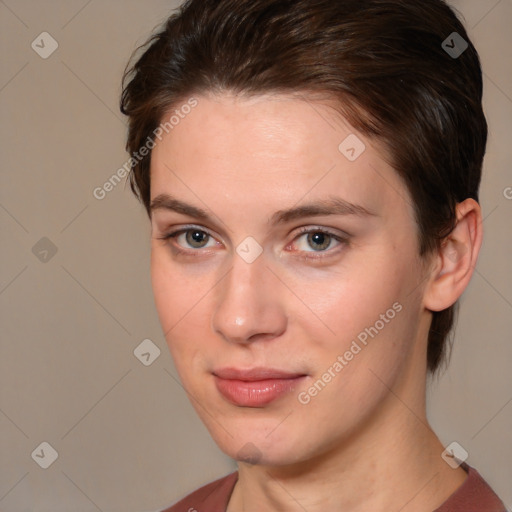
184	229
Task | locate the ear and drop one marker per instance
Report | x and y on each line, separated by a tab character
456	258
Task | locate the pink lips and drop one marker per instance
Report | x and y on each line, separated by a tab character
256	387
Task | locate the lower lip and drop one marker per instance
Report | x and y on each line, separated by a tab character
255	393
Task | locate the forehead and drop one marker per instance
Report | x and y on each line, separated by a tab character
266	127
273	149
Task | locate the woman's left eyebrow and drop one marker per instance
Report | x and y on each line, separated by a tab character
331	206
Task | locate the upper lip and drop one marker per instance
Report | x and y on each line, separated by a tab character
253	374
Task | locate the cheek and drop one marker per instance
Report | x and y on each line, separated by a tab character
177	293
369	319
353	378
350	299
165	289
181	302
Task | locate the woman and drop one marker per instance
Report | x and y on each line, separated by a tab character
310	169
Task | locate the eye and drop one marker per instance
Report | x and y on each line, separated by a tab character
190	238
318	239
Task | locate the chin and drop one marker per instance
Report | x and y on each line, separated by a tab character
260	447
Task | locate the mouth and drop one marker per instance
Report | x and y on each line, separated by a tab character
255	387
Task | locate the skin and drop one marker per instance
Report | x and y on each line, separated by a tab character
363	442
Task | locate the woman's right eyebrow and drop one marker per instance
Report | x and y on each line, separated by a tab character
332	205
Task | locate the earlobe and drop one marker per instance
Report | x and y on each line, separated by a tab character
456	258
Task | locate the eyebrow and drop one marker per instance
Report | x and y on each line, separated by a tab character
330	206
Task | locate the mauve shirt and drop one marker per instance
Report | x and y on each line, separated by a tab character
474	495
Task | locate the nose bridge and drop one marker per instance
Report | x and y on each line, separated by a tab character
247	304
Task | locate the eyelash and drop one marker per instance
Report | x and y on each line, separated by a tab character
302	231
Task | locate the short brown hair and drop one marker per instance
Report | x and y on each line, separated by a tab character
383	61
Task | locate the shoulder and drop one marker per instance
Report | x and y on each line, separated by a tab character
474	495
212	497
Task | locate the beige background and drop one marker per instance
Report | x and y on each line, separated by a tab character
126	436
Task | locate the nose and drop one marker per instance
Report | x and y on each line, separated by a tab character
248	303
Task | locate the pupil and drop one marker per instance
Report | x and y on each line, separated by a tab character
196	237
320	239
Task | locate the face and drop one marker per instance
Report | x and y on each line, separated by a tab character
279	244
